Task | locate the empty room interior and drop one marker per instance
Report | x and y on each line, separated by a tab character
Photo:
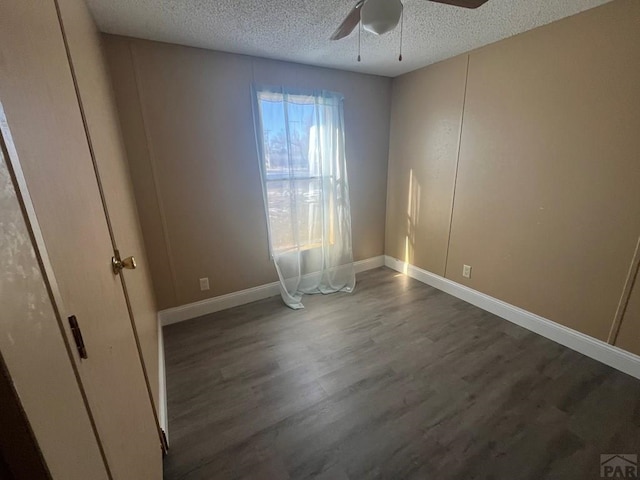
331	239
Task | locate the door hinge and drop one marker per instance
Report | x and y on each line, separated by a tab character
77	336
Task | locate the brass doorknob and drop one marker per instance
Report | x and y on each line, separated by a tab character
118	264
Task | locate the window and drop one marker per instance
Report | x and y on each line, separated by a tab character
301	147
288	131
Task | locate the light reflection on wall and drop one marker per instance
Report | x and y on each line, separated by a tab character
413	216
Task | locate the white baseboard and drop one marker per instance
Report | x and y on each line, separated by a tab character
603	352
215	304
369	263
162	384
222	302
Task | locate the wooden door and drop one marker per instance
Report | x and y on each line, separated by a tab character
35	354
97	105
37	89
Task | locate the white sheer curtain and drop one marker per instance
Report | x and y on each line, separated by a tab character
300	139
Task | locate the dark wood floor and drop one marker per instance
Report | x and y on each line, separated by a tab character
397	380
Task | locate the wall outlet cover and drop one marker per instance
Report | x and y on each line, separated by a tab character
204	284
466	271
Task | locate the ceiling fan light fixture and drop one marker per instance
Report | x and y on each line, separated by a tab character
381	16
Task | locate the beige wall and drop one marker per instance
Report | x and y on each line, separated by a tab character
426	115
547	203
188	127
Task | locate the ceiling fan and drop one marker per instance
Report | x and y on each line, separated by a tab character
382	16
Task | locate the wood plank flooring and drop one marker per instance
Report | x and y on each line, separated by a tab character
397	380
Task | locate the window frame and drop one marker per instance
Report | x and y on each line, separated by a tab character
256	90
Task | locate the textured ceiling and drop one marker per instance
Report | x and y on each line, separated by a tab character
299	30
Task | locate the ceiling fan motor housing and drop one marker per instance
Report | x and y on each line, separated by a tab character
381	16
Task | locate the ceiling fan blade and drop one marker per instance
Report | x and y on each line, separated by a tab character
349	23
463	3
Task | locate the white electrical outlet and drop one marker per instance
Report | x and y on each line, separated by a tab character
466	271
204	284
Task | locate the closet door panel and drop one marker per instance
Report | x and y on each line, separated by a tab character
98	104
34	352
42	109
